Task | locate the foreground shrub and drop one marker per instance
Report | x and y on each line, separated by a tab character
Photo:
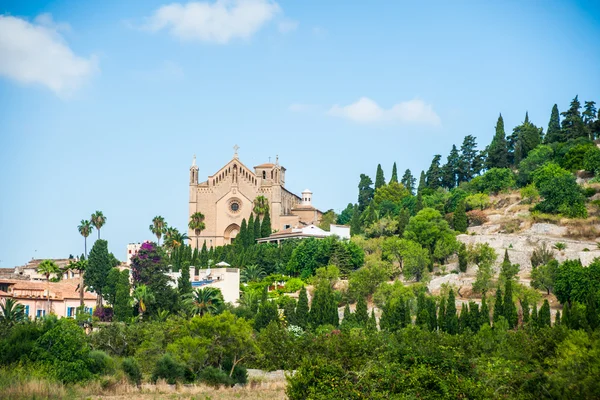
168	369
132	370
215	377
100	362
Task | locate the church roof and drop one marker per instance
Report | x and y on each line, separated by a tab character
265	165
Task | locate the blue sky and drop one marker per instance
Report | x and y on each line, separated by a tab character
103	104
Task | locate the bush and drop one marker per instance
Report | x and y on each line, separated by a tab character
132	370
104	314
591	160
293	285
240	373
215	377
476	218
101	363
478	200
530	194
495	180
560	192
168	369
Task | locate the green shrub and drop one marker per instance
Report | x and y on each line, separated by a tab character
101	363
240	373
215	377
168	369
495	180
478	200
293	285
132	370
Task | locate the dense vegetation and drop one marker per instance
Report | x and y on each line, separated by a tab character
505	342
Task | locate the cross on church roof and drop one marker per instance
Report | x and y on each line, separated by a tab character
235	149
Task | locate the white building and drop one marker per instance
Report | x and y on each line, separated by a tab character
132	249
224	277
343	232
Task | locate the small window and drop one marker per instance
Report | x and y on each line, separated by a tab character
40	313
264	174
26	310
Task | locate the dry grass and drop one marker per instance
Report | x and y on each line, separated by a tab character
15	387
581	228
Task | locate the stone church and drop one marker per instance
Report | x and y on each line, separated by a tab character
227	197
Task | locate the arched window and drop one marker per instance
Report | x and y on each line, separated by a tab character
264	174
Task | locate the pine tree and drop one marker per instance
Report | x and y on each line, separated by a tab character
379	178
355	225
409	181
497	152
403	219
485	312
459	219
572	124
302	309
508	307
449	169
433	177
422	182
123	310
265	227
394	174
554	133
250	238
498	306
524	138
592	125
361	313
451	317
289	311
257	234
419	203
544	317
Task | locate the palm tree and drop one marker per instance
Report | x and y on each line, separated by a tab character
142	296
252	272
174	239
158	227
261	205
85	228
80	266
98	220
205	301
11	312
47	268
197	224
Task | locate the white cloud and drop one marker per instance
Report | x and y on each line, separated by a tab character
287	25
366	110
218	22
37	53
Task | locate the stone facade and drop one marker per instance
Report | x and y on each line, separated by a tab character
227	197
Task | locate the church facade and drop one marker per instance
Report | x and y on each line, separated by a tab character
227	197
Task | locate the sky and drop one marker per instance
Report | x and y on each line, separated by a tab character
103	104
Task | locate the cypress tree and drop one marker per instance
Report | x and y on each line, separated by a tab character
554	133
459	219
431	310
184	284
361	314
566	317
591	311
250	232
372	322
302	309
474	316
267	312
451	317
508	307
433	178
419	204
407	316
463	258
485	312
498	307
449	169
525	308
289	311
534	315
123	310
403	219
442	315
497	153
265	227
394	174
348	320
355	226
463	318
544	317
323	310
99	265
257	234
409	181
422	317
242	237
557	318
379	178
422	183
203	259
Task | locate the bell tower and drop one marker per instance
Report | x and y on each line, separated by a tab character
194	172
